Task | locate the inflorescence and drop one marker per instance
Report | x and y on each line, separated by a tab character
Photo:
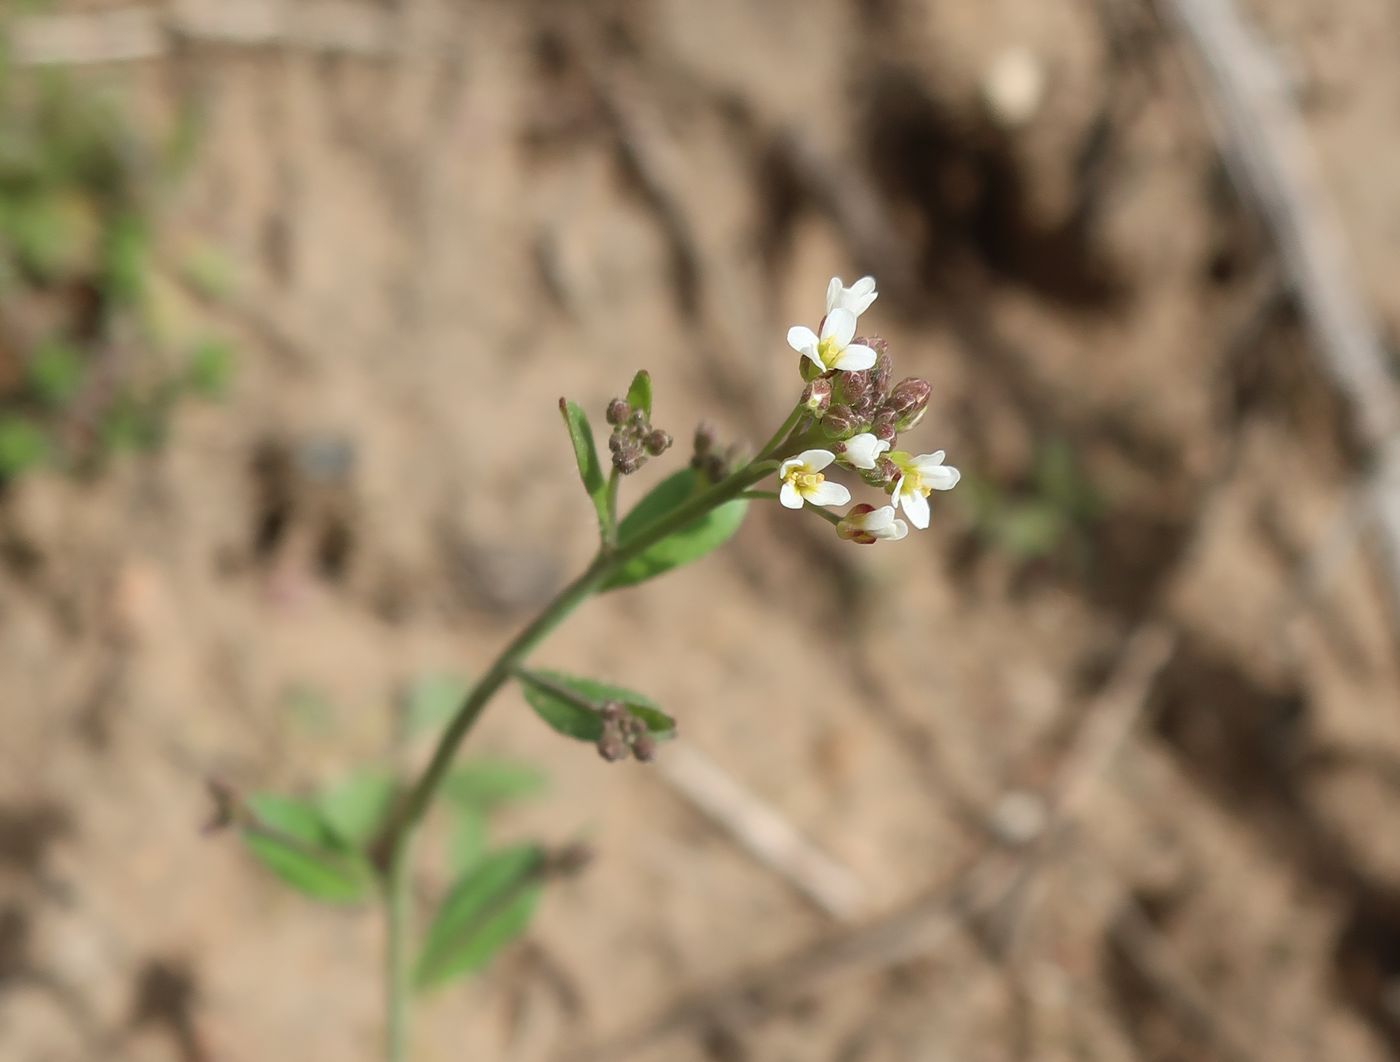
851	408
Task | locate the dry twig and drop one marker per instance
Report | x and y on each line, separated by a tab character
762	831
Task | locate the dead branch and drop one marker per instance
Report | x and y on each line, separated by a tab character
762	831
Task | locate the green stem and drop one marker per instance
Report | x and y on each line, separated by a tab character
610	532
773	444
398	915
396	844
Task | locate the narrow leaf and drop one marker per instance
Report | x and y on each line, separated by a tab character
689	543
485	784
586	454
555	697
431	701
639	394
293	840
467	843
354	808
489	907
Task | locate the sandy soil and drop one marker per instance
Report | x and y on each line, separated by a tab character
535	199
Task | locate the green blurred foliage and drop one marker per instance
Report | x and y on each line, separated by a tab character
1050	516
92	359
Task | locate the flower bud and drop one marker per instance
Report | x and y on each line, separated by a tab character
705	438
849	526
644	748
657	442
908	401
841	422
816	397
638	420
880	372
853	388
883	426
618	411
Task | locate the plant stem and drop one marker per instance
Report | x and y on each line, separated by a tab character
398	916
397	842
610	533
772	445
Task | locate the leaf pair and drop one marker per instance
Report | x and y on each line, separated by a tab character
310	848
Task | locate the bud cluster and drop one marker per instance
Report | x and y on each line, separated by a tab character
863	401
633	438
624	733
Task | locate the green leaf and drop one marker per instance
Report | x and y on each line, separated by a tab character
486	784
354	808
431	701
639	393
467	843
687	544
586	454
489	907
576	721
294	841
23	445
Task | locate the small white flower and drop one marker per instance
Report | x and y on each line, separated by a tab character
865	524
863	450
803	481
917	476
833	348
857	298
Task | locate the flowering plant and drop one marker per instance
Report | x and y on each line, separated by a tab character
360	838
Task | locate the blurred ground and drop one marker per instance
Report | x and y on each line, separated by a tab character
533	199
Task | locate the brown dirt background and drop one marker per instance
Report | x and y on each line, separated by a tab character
534	199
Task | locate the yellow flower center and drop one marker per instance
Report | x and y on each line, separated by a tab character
803	480
827	351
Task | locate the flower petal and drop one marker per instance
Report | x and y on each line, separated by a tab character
788	465
802	339
880	520
840	327
926	464
862	287
828	493
863	449
833	293
915	507
812	460
898	531
944	477
789	496
854	358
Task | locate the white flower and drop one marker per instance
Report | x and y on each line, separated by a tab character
803	481
917	476
833	348
857	298
863	450
865	524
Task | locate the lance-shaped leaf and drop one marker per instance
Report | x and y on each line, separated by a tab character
639	393
355	808
586	454
293	840
489	907
486	784
683	545
570	705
